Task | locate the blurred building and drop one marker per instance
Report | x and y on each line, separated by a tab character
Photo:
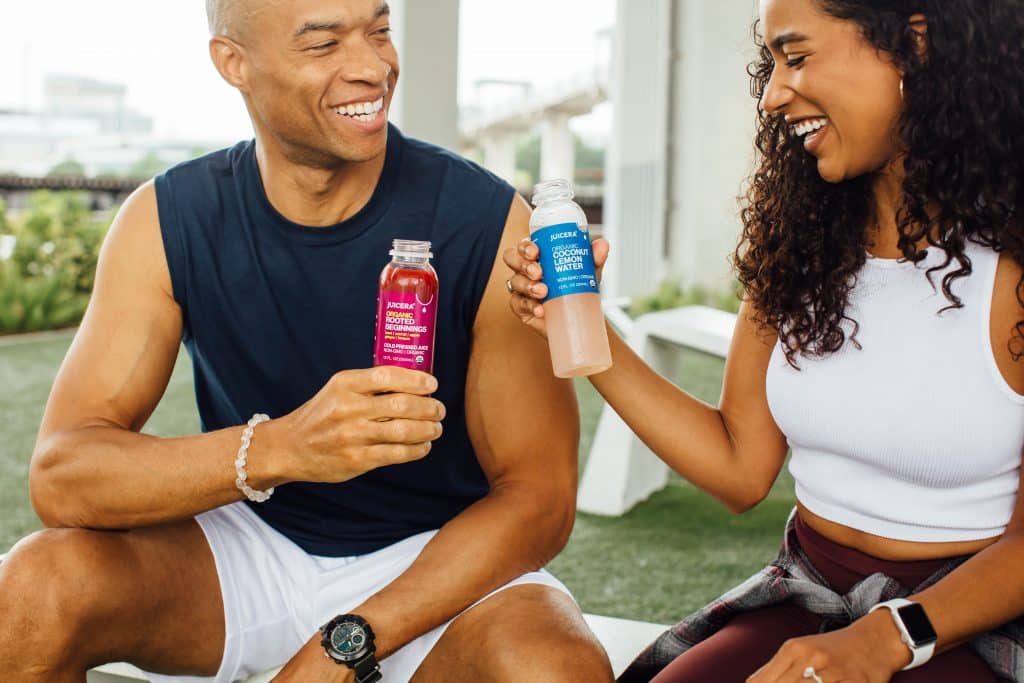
87	122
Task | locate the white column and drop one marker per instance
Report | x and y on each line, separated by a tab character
712	129
425	104
500	155
557	148
634	210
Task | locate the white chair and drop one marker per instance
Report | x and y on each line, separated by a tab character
621	470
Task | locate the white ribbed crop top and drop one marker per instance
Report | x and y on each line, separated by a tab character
916	436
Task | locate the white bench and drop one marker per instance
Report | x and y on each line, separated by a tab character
621	470
622	638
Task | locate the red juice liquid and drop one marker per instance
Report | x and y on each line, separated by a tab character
406	316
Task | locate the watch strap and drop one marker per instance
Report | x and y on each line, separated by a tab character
919	653
367	669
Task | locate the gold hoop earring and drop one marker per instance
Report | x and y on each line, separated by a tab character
901	90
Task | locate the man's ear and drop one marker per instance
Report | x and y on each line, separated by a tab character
919	27
229	58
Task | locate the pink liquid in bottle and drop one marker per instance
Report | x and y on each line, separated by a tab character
407	308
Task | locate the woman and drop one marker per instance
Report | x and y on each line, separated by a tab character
880	339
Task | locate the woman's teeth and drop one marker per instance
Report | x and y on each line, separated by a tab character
806	126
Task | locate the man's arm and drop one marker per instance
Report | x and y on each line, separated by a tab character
91	467
524	426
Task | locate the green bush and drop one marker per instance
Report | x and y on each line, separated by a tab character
57	236
37	303
46	282
671	295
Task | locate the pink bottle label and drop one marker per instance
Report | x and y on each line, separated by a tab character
405	331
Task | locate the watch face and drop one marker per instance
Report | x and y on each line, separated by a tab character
917	624
348	640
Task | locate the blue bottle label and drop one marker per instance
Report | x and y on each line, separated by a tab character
566	259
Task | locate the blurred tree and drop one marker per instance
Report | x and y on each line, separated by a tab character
528	156
47	280
587	157
148	166
69	168
58	237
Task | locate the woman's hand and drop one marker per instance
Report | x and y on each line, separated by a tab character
867	651
525	287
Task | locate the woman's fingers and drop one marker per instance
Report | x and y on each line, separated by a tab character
600	248
518	261
527	287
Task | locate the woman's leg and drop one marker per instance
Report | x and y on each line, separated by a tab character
743	646
959	665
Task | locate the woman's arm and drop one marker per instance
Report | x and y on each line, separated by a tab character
734	451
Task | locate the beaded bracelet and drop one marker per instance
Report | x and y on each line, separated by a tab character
243	451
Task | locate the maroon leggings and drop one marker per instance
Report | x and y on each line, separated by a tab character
747	642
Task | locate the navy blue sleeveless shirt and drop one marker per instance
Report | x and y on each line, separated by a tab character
273	309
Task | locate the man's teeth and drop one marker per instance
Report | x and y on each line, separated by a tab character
363	111
809	126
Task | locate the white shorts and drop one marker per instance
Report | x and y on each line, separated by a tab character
276	596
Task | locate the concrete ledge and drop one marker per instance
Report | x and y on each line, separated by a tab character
622	638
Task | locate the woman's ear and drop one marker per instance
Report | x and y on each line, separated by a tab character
919	27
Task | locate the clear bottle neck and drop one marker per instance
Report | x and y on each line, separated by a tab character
551	191
412	252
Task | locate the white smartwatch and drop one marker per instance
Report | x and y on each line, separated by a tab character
914	627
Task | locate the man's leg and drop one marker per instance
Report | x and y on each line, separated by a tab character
528	632
71	599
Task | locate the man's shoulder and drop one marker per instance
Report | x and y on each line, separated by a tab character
200	184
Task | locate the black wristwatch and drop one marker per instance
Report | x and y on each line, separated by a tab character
348	639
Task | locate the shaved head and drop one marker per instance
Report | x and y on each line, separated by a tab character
225	17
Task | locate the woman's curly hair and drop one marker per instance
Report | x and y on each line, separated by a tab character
962	129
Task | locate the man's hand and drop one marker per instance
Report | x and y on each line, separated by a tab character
311	665
867	651
359	421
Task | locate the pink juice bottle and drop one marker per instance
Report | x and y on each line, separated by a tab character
577	337
407	308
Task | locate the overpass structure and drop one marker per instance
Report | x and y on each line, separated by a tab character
495	126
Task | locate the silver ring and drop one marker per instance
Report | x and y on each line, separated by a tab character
508	285
809	672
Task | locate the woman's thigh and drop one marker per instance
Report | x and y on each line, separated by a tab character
743	646
747	642
959	665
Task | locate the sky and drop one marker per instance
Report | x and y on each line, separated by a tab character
158	49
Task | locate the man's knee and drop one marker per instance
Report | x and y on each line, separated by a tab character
53	576
533	632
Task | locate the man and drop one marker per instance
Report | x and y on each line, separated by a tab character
408	547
